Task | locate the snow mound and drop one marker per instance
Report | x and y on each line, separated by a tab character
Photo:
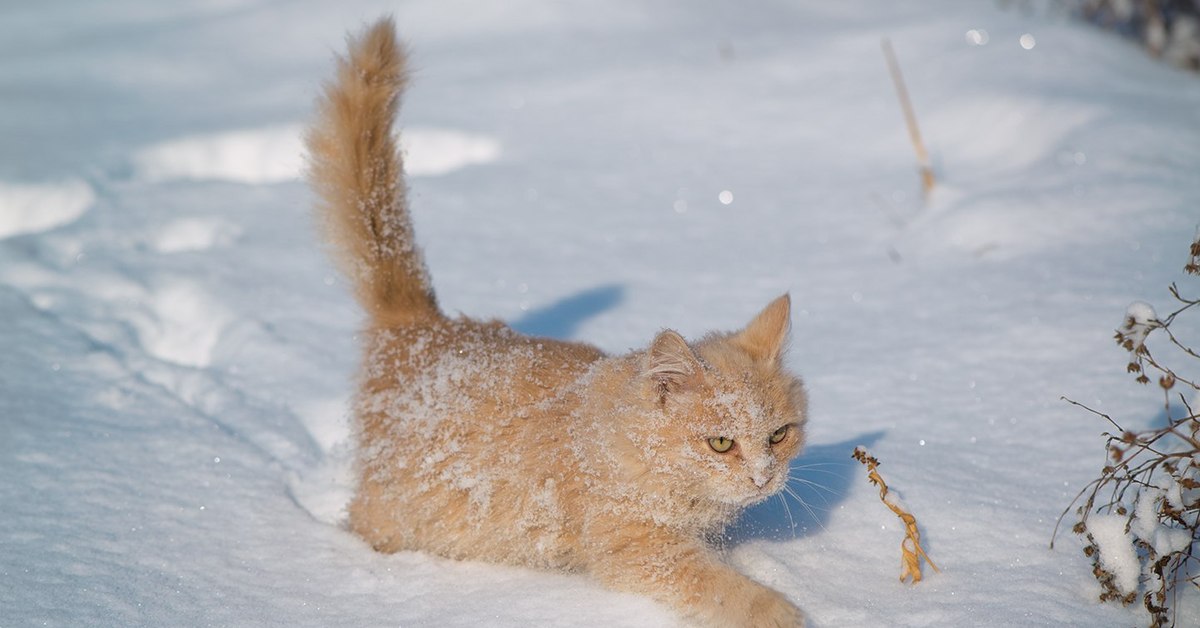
1117	554
432	152
33	208
276	154
182	325
265	155
326	489
194	234
982	137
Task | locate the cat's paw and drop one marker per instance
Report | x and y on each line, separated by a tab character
769	609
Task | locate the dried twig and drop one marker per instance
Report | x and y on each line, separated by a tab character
911	551
910	118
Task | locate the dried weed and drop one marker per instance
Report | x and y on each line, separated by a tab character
911	551
1151	478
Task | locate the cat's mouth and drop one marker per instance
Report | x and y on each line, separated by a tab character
760	494
751	500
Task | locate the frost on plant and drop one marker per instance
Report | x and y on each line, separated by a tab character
1141	517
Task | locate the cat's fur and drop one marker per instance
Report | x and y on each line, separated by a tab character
476	442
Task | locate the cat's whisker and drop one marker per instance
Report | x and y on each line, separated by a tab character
815	485
803	480
824	501
810	469
788	511
811	513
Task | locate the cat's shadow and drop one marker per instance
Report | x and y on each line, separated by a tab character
561	320
821	479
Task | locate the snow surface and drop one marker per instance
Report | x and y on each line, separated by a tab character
177	353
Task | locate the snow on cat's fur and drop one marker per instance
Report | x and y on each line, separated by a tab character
476	442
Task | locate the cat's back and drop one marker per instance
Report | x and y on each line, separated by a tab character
465	422
455	362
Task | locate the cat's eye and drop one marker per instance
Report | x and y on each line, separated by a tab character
720	444
778	435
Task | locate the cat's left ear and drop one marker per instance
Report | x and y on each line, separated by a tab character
670	362
764	338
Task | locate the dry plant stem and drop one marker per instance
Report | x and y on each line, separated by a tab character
1140	460
911	551
1149	359
910	118
1151	477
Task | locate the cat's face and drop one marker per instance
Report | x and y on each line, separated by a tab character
739	431
732	416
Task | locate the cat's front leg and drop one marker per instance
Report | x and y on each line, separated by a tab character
769	607
690	577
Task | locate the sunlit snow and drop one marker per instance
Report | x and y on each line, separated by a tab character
178	354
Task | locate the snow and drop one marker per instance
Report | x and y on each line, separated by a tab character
275	154
178	354
1145	525
1141	313
1117	554
36	207
1140	320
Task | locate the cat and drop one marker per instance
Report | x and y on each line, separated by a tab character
475	442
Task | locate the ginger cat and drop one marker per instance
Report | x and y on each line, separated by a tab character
476	442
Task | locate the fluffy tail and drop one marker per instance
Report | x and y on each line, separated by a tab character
356	169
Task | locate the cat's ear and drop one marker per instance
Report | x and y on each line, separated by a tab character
765	337
670	362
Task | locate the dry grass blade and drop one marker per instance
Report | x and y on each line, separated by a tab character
910	118
911	551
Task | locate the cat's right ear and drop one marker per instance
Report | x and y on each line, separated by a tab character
670	363
766	336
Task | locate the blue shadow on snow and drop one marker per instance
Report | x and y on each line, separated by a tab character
821	480
561	319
